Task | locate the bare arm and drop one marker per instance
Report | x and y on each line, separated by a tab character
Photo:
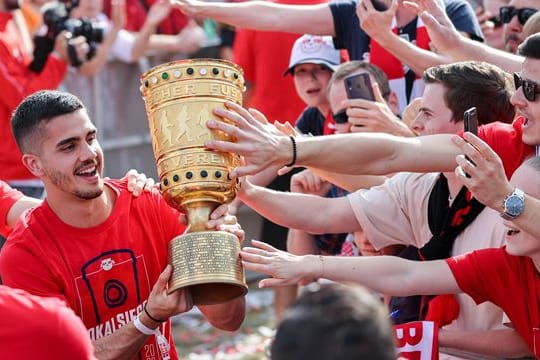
94	65
311	213
126	342
156	14
300	19
187	41
365	153
227	316
18	208
504	343
385	274
377	24
351	182
451	43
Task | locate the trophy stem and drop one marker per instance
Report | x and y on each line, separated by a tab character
198	213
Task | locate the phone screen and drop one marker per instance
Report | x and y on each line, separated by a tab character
358	86
470	120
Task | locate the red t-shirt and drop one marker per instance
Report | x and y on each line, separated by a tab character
17	82
505	140
8	197
105	273
40	328
264	56
510	282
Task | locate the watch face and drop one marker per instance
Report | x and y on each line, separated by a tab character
514	205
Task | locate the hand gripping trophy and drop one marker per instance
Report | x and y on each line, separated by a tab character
179	98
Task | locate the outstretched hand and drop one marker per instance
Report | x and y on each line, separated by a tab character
285	268
261	144
441	30
487	180
377	24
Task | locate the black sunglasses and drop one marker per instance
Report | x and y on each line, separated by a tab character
506	13
340	117
530	88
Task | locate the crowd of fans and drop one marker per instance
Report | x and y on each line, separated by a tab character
385	190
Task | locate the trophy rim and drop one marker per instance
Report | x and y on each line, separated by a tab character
153	69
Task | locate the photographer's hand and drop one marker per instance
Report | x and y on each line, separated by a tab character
79	44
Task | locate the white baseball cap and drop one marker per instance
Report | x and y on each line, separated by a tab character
313	49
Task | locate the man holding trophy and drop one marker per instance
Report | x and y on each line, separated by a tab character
105	252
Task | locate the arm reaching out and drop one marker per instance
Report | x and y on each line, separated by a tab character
450	42
385	274
300	19
370	154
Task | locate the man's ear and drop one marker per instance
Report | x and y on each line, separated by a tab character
33	164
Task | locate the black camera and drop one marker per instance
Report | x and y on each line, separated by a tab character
56	19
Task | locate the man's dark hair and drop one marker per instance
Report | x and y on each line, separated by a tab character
335	322
474	83
353	66
530	47
36	110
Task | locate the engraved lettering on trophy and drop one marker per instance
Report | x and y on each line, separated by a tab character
166	93
224	89
183	125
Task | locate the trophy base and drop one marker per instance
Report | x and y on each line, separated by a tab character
207	262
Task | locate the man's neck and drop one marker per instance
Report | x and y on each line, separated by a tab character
82	213
454	185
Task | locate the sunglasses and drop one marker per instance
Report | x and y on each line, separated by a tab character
506	13
530	88
340	117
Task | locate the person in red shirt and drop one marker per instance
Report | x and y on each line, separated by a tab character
40	328
95	246
507	276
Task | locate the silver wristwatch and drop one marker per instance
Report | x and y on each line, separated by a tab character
513	204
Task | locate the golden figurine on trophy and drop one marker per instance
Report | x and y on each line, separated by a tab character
179	98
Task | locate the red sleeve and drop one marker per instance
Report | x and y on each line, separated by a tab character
505	140
476	273
17	81
8	197
242	53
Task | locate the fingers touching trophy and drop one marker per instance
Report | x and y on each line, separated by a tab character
179	98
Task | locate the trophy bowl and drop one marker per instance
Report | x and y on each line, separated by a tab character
179	97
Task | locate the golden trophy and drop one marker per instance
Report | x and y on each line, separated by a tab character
179	98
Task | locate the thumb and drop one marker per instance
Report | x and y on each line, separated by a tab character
377	93
163	279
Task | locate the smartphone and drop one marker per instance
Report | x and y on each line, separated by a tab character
470	124
470	120
358	86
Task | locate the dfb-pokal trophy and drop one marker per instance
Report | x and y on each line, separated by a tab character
179	98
